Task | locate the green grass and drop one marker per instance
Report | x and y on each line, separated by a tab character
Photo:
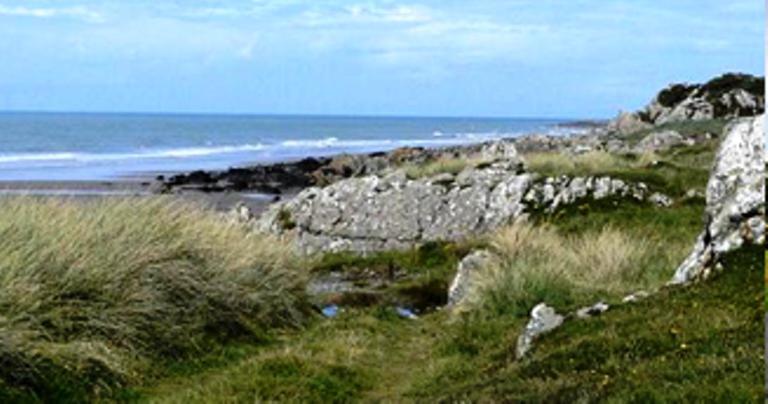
443	357
363	355
673	172
699	344
417	277
94	295
692	344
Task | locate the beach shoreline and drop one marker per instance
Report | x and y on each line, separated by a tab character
275	180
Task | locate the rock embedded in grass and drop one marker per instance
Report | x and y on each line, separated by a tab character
543	320
462	282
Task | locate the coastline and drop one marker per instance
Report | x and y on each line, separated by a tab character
271	181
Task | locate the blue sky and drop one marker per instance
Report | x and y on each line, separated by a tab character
556	58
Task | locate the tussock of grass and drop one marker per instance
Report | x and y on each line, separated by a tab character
440	166
540	264
554	164
93	293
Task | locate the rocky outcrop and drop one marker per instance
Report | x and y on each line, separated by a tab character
735	196
725	97
393	212
376	213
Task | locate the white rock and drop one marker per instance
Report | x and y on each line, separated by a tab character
592	311
543	320
467	270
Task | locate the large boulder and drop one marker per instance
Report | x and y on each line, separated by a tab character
735	211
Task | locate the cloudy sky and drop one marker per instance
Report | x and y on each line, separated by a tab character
554	58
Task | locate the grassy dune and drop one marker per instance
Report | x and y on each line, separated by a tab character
94	294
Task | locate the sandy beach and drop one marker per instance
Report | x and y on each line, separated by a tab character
85	190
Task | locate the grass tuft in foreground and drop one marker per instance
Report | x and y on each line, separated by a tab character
538	263
94	294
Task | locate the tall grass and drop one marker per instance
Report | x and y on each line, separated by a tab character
440	166
537	263
553	164
93	293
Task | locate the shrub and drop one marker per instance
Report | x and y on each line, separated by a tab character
92	293
675	94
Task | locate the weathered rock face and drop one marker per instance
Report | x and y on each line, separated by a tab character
376	213
735	199
373	213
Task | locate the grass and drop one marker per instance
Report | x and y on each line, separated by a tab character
673	172
538	263
94	294
417	277
363	355
440	357
695	344
685	128
440	166
556	164
699	344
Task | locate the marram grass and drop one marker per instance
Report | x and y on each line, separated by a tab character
93	293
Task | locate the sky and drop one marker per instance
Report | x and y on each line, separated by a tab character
506	58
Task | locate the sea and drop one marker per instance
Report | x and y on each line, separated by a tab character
96	146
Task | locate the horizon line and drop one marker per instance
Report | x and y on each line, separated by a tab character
296	114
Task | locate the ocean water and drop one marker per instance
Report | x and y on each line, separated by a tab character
62	146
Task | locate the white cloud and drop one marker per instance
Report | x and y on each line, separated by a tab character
71	12
402	13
